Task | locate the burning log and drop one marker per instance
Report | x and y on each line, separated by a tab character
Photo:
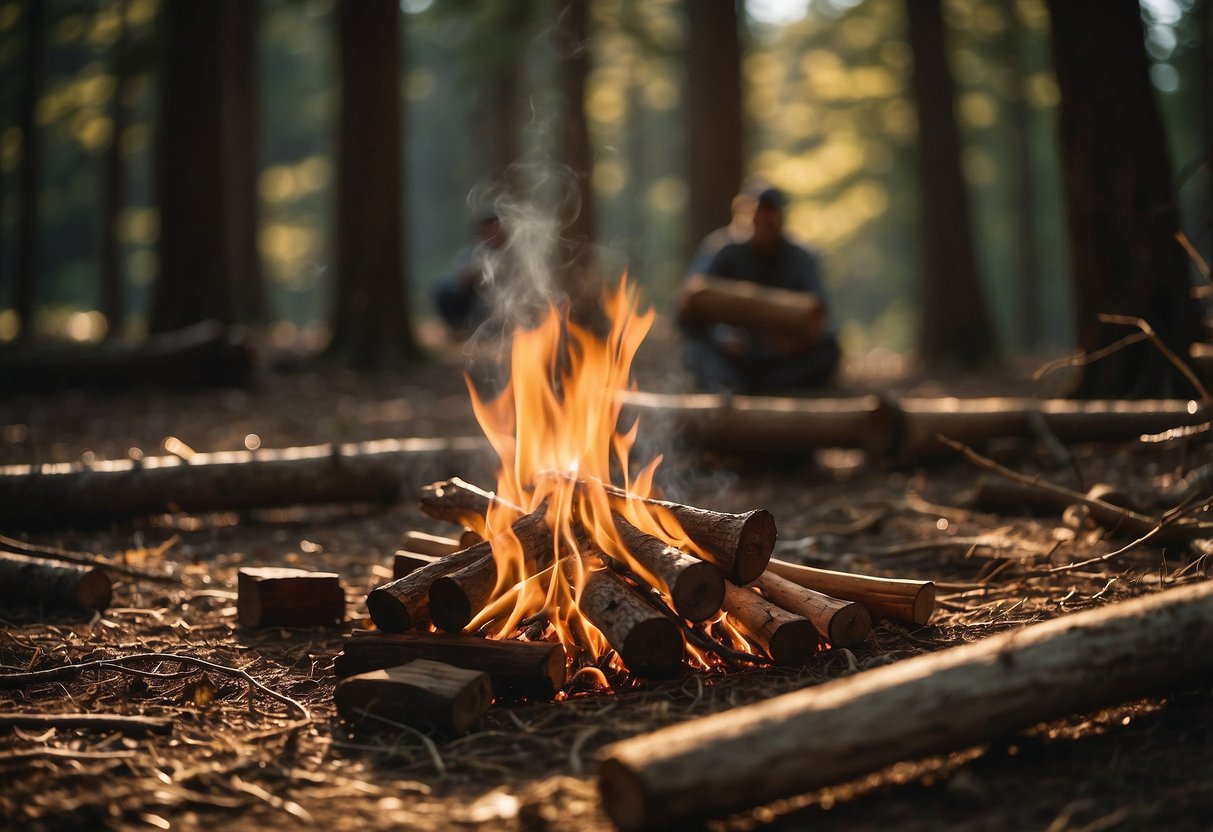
715	300
895	597
275	597
768	424
785	636
908	710
458	501
37	582
404	603
649	643
516	668
63	495
695	587
405	563
456	597
421	693
841	623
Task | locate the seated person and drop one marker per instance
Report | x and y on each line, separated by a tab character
461	298
737	231
727	358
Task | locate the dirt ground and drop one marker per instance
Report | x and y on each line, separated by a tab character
264	763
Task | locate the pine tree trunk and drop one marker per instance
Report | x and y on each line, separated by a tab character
715	121
956	329
1120	205
25	299
113	272
370	314
576	154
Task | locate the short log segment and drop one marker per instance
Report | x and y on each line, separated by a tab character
273	597
459	501
406	563
456	597
431	544
421	694
37	582
649	643
695	587
785	636
810	738
516	668
899	598
404	603
715	300
841	623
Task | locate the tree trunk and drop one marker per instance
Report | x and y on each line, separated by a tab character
715	121
955	328
206	165
25	298
113	272
1120	205
576	154
370	314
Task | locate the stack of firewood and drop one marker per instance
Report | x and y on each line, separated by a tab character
736	603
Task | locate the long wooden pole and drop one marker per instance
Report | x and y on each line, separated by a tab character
927	705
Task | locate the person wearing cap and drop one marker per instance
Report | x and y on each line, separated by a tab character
460	298
726	358
737	231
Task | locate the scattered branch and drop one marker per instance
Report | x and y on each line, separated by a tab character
1179	364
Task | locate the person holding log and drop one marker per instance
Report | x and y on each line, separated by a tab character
756	321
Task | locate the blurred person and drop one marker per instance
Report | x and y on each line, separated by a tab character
740	226
462	298
728	358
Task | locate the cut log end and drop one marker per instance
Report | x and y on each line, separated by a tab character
449	607
653	648
794	641
699	591
849	626
421	693
757	541
388	612
924	604
94	592
623	796
268	597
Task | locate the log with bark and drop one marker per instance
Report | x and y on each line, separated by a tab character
838	622
649	643
64	495
422	694
516	668
431	544
931	704
768	424
785	636
405	563
458	501
278	597
695	587
899	598
37	582
715	300
403	603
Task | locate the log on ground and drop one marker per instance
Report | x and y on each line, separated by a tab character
421	694
37	582
899	598
932	704
695	587
785	636
403	603
277	597
649	643
405	563
841	623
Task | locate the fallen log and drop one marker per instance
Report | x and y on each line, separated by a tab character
838	622
405	563
899	598
65	495
37	582
277	597
649	643
768	424
695	587
132	726
456	597
977	420
421	694
785	636
949	700
516	668
715	300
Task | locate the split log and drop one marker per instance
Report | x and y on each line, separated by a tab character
132	726
459	501
64	495
422	694
841	623
37	582
785	636
403	603
899	598
649	643
932	704
456	597
432	544
207	354
516	668
974	421
406	563
715	300
695	587
768	424
275	597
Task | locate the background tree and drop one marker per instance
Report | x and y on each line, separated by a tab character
955	326
370	311
25	298
715	121
113	284
574	150
206	164
1120	204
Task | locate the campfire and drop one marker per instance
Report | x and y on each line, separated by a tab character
574	568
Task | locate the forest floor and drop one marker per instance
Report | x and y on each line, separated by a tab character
1140	765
